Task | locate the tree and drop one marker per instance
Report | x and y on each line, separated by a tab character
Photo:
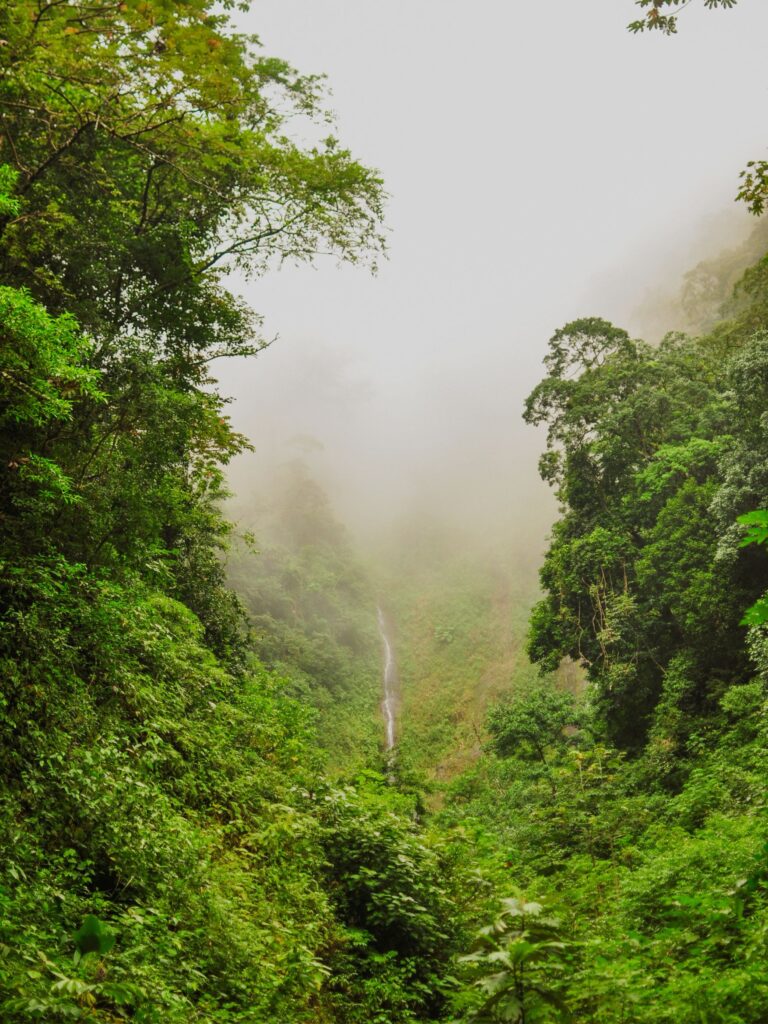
152	147
532	725
150	152
653	458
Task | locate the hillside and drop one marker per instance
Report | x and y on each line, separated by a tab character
204	816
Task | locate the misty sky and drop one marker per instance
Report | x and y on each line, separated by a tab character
542	164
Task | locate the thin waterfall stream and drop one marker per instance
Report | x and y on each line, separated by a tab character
391	683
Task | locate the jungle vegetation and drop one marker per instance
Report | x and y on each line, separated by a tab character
196	820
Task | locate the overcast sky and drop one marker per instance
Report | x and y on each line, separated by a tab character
542	164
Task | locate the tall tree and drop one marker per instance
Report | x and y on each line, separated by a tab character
152	154
652	460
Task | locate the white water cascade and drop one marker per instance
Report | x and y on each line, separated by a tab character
390	683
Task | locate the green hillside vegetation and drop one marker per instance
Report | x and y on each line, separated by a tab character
634	821
173	849
196	817
623	832
312	612
461	622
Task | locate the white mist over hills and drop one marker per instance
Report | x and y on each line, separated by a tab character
508	136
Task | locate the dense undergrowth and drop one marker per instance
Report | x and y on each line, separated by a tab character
637	814
173	848
195	819
620	819
312	610
461	619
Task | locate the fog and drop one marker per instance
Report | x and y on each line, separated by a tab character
542	164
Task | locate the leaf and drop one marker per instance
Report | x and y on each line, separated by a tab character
756	614
532	908
94	936
757	524
492	984
510	1010
499	956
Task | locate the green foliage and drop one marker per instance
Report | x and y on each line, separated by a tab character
124	208
311	608
653	458
651	885
204	136
161	791
172	853
93	937
42	369
756	533
654	19
460	620
647	823
246	879
520	959
393	886
533	724
177	848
